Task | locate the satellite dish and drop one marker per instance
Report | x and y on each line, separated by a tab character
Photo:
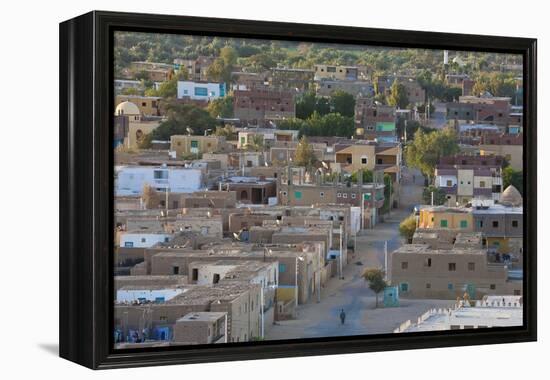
189	130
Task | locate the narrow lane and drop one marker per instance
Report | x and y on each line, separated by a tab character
352	293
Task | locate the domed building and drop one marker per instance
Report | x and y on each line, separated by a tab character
128	109
131	125
511	197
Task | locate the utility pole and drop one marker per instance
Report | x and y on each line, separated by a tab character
262	308
428	109
355	240
242	164
362	224
319	276
341	249
391	204
225	329
386	260
432	193
296	280
373	199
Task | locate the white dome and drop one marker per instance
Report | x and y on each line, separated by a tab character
511	196
127	108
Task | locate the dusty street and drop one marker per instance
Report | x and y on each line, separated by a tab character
353	295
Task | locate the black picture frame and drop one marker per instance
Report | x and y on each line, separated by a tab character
86	183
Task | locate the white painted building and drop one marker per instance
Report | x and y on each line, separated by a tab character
446	180
355	219
246	135
261	273
149	295
131	179
200	90
121	84
491	311
143	239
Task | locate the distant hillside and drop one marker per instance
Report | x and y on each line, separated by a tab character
254	54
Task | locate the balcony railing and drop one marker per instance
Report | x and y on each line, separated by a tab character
449	189
483	192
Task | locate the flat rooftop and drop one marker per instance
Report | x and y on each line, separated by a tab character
498	209
202	316
250	180
245	265
147	293
469	238
425	249
227	252
457	210
469	317
201	294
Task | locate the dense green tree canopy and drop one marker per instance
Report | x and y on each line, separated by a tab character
439	195
130	91
220	70
183	116
498	84
343	103
389	190
398	96
256	143
513	177
221	107
304	155
227	131
407	227
331	124
367	176
427	148
308	103
168	89
262	55
436	88
376	281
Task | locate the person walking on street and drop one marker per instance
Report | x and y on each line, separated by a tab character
342	316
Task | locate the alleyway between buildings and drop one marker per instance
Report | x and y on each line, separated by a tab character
352	293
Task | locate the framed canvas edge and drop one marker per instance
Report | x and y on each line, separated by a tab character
86	189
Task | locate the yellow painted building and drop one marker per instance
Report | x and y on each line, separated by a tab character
512	153
137	131
147	105
501	243
286	294
446	218
184	144
356	157
138	128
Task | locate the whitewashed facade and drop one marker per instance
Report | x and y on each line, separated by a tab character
200	90
143	240
138	295
446	180
131	179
